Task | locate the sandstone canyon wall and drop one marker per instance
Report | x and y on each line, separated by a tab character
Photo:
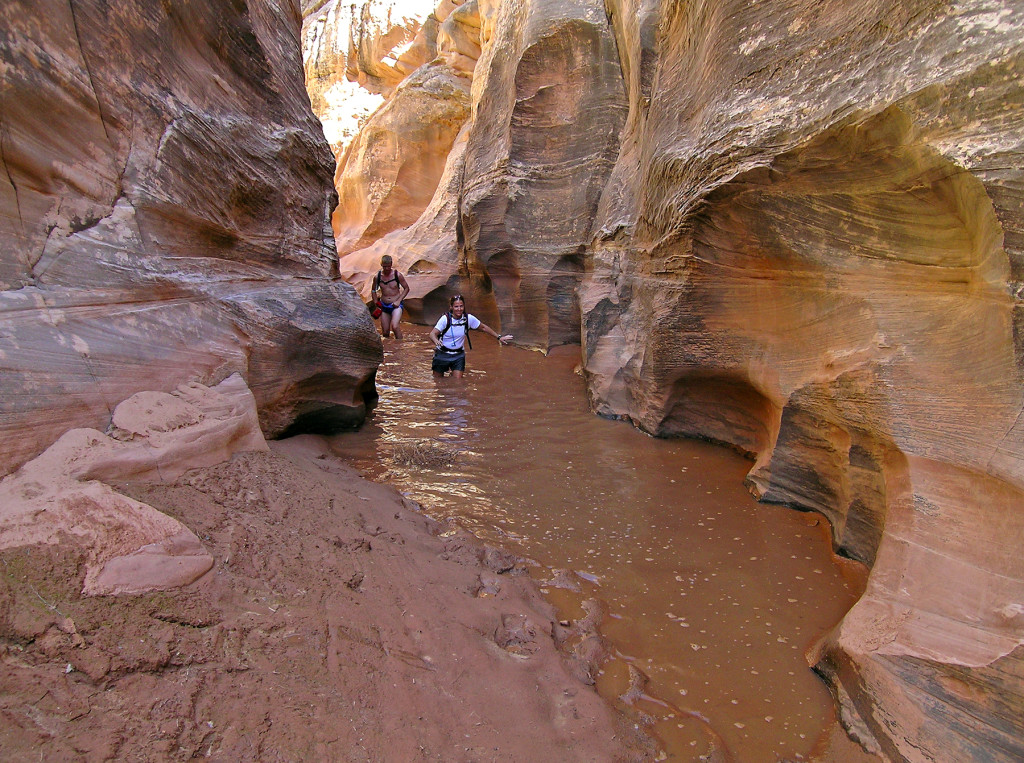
165	209
398	179
795	228
810	249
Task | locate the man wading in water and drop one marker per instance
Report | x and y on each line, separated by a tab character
449	334
390	288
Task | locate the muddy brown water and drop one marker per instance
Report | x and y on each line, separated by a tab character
714	597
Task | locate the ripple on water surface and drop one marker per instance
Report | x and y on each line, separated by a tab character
714	597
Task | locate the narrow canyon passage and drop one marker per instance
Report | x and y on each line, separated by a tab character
714	597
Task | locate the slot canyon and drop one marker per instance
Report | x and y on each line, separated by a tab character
792	230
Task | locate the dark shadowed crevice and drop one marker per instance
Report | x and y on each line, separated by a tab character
326	420
327	417
563	302
722	408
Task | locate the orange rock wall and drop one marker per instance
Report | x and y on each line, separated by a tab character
795	228
810	249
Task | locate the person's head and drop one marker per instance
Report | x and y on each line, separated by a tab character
385	262
458	305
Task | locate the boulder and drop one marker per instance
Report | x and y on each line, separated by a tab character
64	497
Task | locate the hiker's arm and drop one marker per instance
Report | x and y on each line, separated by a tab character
405	289
435	337
502	338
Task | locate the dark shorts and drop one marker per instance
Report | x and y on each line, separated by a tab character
448	361
387	307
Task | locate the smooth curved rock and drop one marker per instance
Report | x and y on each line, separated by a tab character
810	249
62	496
166	212
168	563
549	108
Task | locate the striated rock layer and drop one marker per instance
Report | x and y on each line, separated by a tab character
549	111
795	228
810	249
164	211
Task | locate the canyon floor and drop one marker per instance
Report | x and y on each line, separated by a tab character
339	622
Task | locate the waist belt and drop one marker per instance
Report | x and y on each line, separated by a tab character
448	351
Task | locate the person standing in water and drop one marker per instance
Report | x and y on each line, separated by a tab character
389	289
449	335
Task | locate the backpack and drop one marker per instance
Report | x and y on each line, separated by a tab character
448	321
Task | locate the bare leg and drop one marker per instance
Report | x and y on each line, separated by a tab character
396	319
385	324
456	374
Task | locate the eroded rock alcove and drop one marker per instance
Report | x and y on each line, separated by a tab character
794	229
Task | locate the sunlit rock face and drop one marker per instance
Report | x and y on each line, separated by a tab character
388	176
164	213
548	114
393	169
810	248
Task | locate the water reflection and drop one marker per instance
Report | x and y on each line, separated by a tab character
454	417
714	597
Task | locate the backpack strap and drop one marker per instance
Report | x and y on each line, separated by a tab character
448	323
